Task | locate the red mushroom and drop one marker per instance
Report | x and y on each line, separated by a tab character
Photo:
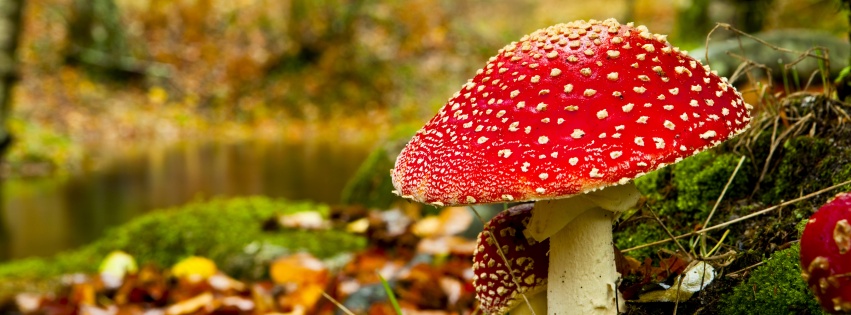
826	254
501	281
567	111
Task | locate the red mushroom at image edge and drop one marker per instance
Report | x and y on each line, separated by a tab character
568	116
501	283
826	254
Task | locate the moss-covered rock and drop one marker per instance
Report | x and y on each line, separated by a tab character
228	231
371	185
682	195
699	181
773	288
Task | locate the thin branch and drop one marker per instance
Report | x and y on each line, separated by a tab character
758	213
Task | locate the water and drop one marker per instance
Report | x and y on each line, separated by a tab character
43	216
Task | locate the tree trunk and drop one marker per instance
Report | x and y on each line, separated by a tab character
10	26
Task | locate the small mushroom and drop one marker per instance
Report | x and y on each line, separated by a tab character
568	116
502	281
826	254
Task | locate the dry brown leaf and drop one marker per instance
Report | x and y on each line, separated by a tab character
191	305
299	269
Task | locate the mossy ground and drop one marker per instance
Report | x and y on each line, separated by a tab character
804	160
228	231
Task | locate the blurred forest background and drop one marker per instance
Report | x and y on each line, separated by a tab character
142	125
123	106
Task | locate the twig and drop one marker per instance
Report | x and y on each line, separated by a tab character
758	213
715	207
746	268
671	235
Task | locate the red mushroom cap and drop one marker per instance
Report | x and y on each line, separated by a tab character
826	254
569	109
496	290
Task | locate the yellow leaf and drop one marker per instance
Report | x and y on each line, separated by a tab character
194	268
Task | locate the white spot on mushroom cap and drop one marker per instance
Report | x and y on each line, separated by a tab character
613	76
708	134
543	139
573	161
595	173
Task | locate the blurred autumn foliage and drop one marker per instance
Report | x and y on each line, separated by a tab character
111	75
236	59
105	75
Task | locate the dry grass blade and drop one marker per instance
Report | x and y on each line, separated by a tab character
745	269
703	252
338	304
758	213
775	142
671	235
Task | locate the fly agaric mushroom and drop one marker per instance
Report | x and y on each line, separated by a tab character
826	254
508	264
556	117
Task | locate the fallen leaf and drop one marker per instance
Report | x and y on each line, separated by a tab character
191	305
194	268
115	267
299	269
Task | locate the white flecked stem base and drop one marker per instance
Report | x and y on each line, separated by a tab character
537	301
582	272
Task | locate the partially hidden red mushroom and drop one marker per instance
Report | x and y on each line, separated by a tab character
557	117
826	254
509	264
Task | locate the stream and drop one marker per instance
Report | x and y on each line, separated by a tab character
43	216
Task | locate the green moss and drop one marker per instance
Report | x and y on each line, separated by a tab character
646	232
800	160
773	288
699	181
683	194
228	231
654	184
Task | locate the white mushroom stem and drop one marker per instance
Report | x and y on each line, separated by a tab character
582	270
538	303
